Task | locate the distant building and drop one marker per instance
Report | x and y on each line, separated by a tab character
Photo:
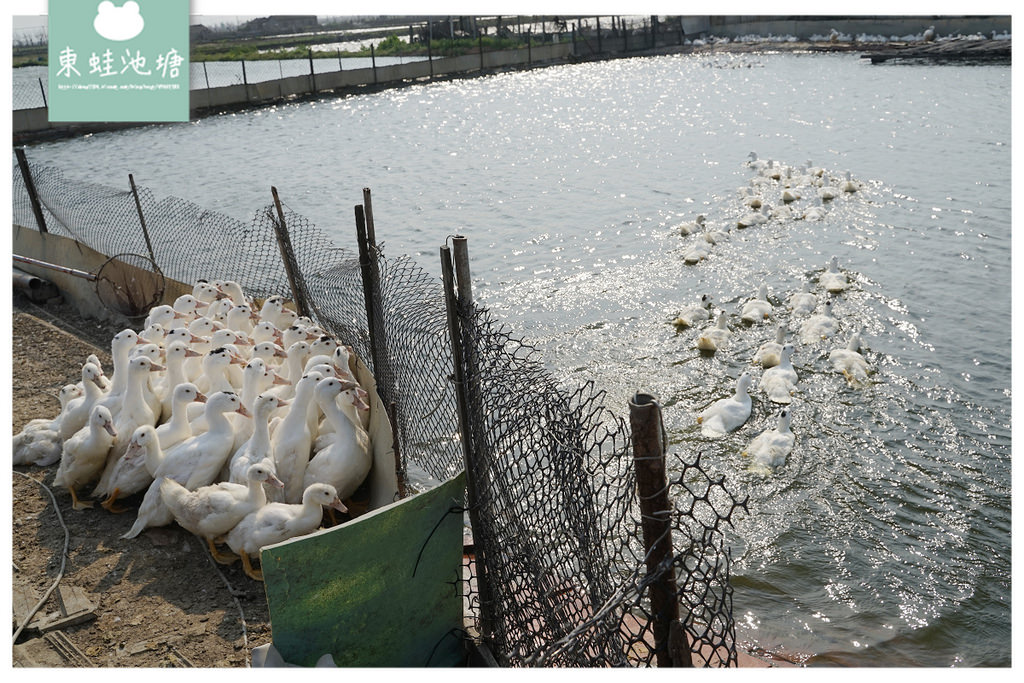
199	33
268	26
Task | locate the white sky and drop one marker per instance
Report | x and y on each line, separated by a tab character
30	15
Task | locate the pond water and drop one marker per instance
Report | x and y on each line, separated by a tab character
884	539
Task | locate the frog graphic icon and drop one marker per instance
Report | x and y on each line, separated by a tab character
118	23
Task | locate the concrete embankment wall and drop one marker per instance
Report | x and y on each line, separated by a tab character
68	253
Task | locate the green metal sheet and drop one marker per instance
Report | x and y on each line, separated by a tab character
381	590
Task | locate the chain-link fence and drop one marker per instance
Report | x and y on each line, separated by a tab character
565	568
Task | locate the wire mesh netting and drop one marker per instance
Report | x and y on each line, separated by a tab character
559	527
558	572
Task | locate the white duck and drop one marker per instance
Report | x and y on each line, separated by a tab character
257	378
694	313
205	292
233	290
693	226
295	363
344	463
215	376
265	331
178	428
826	193
154	333
714	236
85	453
850	362
78	409
176	353
803	302
769	353
144	448
102	382
779	381
212	511
758	309
277	522
755	163
833	279
256	448
163	315
751	199
849	184
121	346
819	326
187	306
39	443
353	403
122	478
714	337
294	333
758	217
271	311
154	379
270	353
790	195
292	442
697	251
814	171
240	319
204	455
814	212
727	414
770	448
194	462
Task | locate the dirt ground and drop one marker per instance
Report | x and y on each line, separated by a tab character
158	600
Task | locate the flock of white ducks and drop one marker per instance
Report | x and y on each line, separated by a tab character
810	317
239	423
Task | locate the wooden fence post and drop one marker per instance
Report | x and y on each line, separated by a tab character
468	445
30	187
655	510
371	294
142	218
284	243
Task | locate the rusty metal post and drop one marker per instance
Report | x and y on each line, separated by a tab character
30	187
284	243
472	466
655	509
460	249
371	291
142	218
371	234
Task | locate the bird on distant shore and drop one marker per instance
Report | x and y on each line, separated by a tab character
929	34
